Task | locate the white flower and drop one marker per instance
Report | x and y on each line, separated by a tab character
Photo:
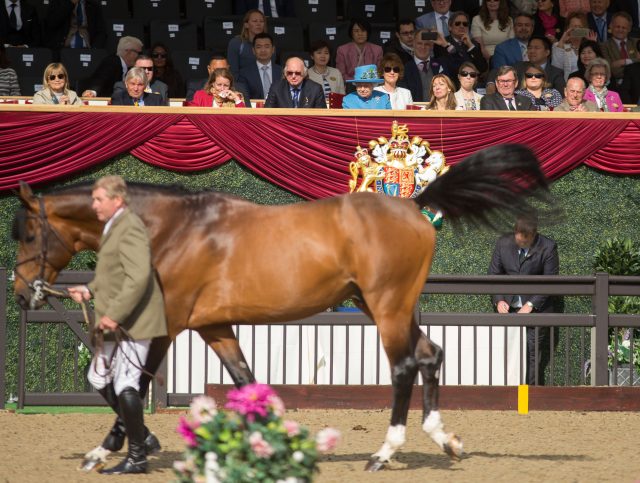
327	440
298	456
203	409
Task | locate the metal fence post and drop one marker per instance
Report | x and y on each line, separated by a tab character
600	336
3	336
159	392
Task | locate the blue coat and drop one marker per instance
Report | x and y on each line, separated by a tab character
378	100
506	53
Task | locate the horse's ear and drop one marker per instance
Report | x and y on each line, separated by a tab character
26	196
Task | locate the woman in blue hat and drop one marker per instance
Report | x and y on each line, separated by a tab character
366	76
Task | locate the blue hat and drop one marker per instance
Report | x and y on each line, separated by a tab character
366	73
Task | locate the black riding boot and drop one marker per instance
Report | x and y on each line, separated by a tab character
133	417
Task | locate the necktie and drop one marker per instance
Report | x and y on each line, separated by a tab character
424	66
525	56
623	50
510	105
266	81
266	8
445	27
135	102
12	17
601	29
295	95
522	254
79	43
325	86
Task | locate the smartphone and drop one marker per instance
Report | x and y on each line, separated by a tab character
429	36
579	33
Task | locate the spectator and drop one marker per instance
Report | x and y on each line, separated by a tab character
218	92
441	94
240	49
295	89
505	99
419	72
538	51
402	44
259	75
217	61
158	87
8	78
56	87
534	86
359	51
620	50
467	99
547	22
567	7
74	23
329	78
279	8
458	47
165	70
492	26
113	68
136	94
588	51
19	25
574	100
526	252
514	50
392	70
599	74
630	88
564	53
599	19
438	19
365	97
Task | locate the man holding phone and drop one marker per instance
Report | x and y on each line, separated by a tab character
419	71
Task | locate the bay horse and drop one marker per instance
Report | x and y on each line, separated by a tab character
223	260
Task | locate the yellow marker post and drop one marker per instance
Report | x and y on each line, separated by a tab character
523	399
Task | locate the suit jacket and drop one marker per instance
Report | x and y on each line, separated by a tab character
541	259
506	53
157	87
29	34
58	22
429	21
555	76
565	107
125	287
198	84
413	81
311	95
611	52
593	26
108	72
458	54
394	47
285	7
630	88
495	102
122	98
251	76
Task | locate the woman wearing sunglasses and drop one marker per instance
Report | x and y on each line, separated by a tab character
458	46
392	70
165	71
56	88
534	85
492	26
467	99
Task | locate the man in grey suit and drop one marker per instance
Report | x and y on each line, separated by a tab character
526	252
436	20
259	75
296	90
505	99
157	87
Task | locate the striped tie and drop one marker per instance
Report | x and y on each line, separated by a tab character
325	86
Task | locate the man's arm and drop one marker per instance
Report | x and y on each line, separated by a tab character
550	266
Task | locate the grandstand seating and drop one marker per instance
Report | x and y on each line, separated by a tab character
80	63
372	10
192	64
381	33
335	33
318	11
197	10
122	27
413	8
156	9
181	35
287	33
218	31
29	64
115	8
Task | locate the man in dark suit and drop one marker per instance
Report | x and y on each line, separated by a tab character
402	45
259	75
630	88
136	94
218	61
284	8
113	68
61	27
526	252
19	25
505	99
599	19
296	90
419	71
512	50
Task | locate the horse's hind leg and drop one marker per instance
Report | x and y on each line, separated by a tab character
429	358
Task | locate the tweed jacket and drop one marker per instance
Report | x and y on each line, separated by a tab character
125	287
611	52
46	97
589	106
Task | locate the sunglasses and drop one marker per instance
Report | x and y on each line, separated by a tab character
466	73
392	69
291	73
58	76
157	55
531	75
464	24
148	69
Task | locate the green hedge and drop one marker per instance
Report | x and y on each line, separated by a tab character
597	206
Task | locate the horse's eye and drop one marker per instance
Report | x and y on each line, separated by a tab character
29	238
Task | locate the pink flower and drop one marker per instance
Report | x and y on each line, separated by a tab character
203	409
251	400
260	447
327	440
186	431
277	406
291	427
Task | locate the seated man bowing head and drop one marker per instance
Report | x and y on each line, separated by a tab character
137	92
295	89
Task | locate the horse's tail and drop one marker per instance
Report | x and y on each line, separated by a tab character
496	181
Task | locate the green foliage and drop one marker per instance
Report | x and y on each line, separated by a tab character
618	256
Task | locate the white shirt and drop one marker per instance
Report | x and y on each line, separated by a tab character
274	9
17	10
400	98
439	22
260	71
107	226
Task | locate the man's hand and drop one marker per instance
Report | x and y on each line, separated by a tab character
107	323
525	309
503	307
79	293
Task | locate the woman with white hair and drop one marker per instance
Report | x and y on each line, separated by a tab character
598	73
138	92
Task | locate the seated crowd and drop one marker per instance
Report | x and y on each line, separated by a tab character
493	55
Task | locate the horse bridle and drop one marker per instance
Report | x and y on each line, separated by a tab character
39	286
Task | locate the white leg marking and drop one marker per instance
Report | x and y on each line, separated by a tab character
98	453
434	427
394	440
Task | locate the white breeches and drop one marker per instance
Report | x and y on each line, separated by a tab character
122	371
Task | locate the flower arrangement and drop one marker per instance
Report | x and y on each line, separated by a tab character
622	353
251	442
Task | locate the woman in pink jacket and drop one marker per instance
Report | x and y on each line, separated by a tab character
598	73
359	52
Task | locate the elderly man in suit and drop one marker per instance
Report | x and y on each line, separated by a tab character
295	89
145	62
19	24
75	24
574	100
113	68
136	93
436	20
514	50
259	75
620	50
505	99
526	252
127	296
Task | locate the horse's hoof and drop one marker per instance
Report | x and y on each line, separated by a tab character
453	447
91	464
375	464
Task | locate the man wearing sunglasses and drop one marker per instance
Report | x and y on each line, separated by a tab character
402	45
157	87
113	68
295	90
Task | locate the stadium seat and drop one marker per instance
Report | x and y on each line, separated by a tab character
335	100
287	33
123	27
115	8
283	56
29	62
413	8
192	64
316	11
81	63
381	33
335	33
218	31
197	10
372	10
156	9
30	85
180	34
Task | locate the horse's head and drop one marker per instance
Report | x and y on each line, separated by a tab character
45	248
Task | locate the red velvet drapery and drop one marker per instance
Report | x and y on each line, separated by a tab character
307	155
